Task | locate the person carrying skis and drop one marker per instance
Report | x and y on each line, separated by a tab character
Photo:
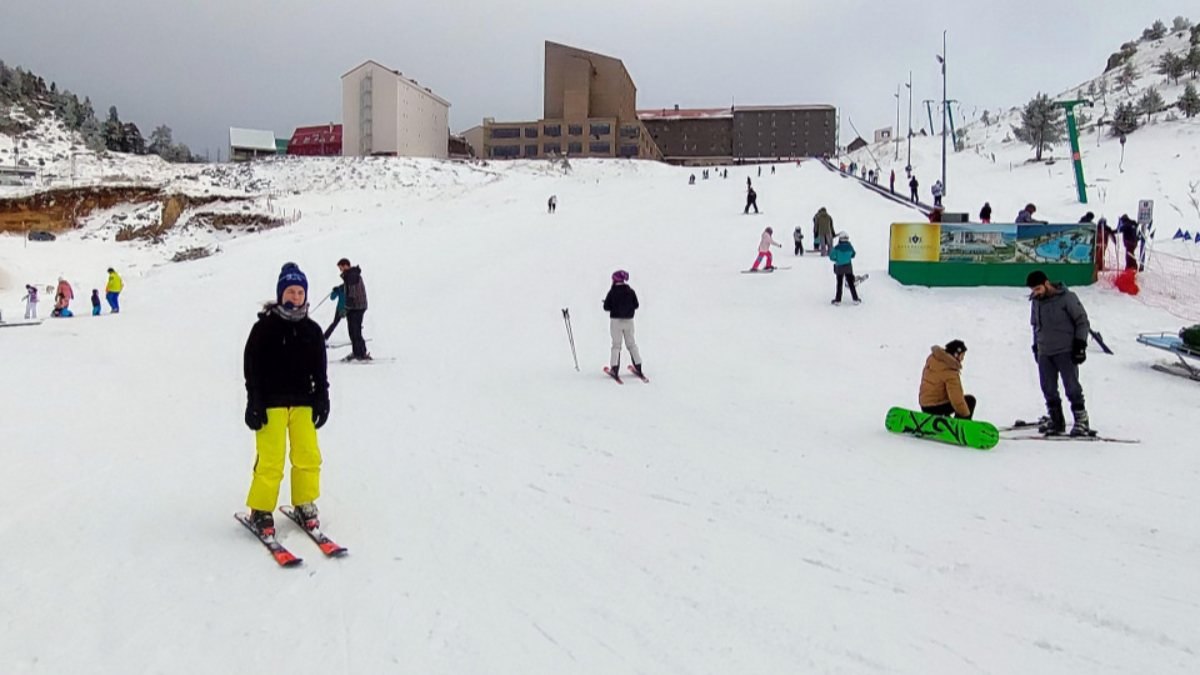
621	303
1060	334
287	400
941	382
31	301
823	231
95	302
985	214
798	238
751	200
339	295
764	250
843	268
938	191
1026	215
112	291
356	307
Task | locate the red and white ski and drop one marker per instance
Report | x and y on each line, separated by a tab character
613	374
638	375
284	557
327	545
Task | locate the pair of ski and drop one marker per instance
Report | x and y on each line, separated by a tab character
765	270
617	376
1022	425
975	434
284	557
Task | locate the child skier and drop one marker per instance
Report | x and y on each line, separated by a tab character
841	255
798	238
95	302
287	391
621	303
764	250
31	300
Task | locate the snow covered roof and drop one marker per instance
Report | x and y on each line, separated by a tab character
252	139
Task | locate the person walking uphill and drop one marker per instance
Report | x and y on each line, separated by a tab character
941	382
356	307
339	295
621	303
764	250
751	200
823	230
843	268
287	400
112	291
1060	333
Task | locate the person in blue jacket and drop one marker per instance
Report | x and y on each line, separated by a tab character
338	294
842	255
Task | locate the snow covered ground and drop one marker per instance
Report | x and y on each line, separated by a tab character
743	513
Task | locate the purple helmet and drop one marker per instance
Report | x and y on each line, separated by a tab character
620	276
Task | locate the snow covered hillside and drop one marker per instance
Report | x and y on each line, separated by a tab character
743	513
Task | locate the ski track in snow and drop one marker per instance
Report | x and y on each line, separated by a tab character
746	512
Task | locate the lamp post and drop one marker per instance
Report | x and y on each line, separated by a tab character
942	60
908	164
896	133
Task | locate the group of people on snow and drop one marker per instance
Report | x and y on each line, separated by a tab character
64	294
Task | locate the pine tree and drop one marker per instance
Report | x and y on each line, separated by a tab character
1091	89
1192	61
986	118
1125	119
1189	102
1180	24
1151	102
114	131
161	143
1128	76
1195	35
1042	124
1171	65
1157	31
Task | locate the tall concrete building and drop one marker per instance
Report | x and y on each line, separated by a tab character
386	113
742	133
589	109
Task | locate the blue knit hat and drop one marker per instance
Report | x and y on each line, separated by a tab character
290	275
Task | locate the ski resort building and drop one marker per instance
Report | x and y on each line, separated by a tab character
742	133
319	141
248	144
386	113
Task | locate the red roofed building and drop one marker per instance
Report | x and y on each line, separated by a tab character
319	141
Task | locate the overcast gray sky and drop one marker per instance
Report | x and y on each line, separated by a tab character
202	66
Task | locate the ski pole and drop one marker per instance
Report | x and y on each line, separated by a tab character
570	336
319	304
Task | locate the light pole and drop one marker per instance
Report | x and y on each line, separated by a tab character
896	134
908	165
942	60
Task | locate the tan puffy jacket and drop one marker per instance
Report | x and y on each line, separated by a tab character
941	383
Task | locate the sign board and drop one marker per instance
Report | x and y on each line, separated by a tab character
1145	211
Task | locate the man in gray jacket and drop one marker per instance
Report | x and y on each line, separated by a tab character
1060	334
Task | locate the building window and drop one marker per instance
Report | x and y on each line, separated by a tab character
506	151
502	132
629	151
630	131
552	148
531	150
575	148
600	148
575	129
600	130
531	132
554	130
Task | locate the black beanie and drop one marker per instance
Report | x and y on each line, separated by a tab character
955	347
1036	278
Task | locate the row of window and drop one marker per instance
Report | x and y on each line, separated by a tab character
573	148
555	131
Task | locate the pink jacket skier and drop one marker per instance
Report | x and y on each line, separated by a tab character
764	249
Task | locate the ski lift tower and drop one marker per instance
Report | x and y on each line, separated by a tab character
1073	133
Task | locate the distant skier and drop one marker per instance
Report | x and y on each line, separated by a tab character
764	250
95	302
692	179
760	172
1060	334
772	169
751	200
941	382
1026	215
31	301
823	231
985	214
892	182
621	303
748	183
725	173
1088	218
62	299
798	238
552	204
339	295
843	268
112	291
912	188
356	307
1130	235
938	191
287	399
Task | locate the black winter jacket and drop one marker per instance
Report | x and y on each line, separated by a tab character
284	363
356	290
621	302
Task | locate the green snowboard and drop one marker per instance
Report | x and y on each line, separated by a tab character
967	433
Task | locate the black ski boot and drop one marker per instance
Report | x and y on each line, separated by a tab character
637	368
1081	428
1055	424
308	515
263	522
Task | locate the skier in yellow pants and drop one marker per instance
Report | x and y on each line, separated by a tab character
287	391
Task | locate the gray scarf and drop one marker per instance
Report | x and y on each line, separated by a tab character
292	314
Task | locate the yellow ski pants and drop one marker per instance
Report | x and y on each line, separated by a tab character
271	444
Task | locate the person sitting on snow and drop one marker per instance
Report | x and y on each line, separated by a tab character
941	382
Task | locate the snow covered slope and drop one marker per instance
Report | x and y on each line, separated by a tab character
744	513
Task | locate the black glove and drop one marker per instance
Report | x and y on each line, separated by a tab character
256	416
320	412
1035	352
1079	351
